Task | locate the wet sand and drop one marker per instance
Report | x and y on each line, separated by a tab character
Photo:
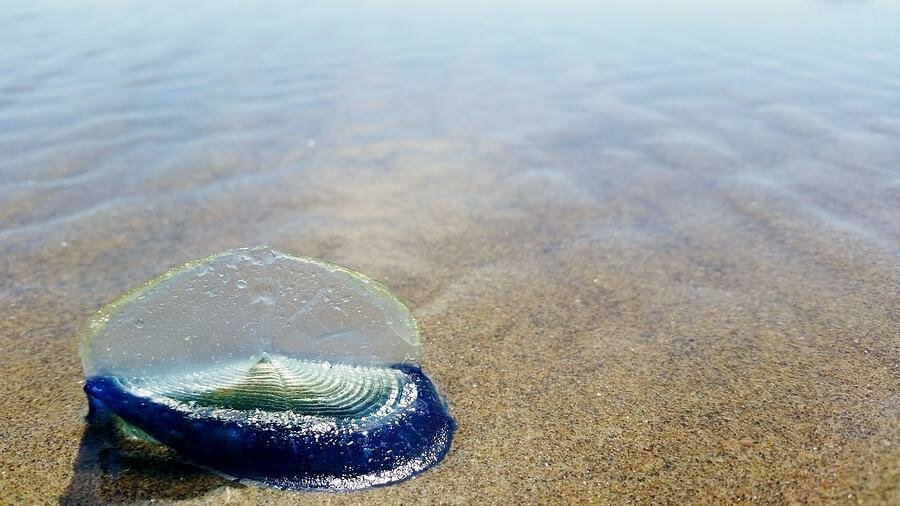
631	288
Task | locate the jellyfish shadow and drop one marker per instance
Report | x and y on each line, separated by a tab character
112	468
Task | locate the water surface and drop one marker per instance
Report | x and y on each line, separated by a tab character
654	250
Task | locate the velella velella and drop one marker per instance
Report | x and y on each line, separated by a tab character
269	368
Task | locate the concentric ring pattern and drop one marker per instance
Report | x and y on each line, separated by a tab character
274	383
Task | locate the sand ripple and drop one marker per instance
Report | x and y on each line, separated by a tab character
653	255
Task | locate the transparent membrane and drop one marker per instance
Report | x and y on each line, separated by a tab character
242	305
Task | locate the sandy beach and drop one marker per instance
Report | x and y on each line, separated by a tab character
664	275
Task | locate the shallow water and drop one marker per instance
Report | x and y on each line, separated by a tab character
654	250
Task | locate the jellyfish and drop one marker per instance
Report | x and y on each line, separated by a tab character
269	368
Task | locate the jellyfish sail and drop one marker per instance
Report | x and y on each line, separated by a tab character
271	368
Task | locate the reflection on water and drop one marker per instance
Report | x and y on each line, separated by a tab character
647	196
104	104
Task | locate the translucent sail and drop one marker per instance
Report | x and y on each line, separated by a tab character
246	303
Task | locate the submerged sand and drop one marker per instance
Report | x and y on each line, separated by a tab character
743	356
688	299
